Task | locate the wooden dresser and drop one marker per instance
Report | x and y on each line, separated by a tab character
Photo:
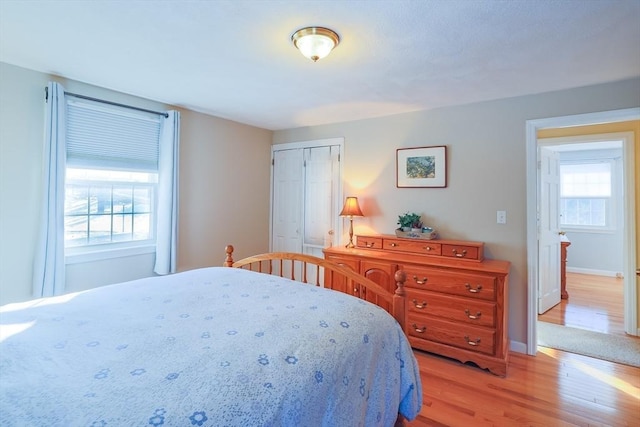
457	300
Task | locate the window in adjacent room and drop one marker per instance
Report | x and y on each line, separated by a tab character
111	177
586	195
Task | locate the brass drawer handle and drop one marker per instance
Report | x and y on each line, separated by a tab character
428	248
369	245
419	305
471	316
393	245
474	343
419	330
459	255
473	290
420	282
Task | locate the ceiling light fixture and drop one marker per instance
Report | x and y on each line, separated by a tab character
315	42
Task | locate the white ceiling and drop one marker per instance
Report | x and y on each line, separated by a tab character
234	59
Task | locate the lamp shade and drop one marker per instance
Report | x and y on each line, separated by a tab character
315	42
351	207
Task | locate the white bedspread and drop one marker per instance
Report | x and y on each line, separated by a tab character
209	347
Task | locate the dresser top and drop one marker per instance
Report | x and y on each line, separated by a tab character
487	265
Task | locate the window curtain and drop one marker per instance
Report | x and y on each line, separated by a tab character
167	217
48	268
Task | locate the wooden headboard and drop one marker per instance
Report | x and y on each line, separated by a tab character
321	272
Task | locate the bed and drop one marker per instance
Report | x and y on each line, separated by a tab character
215	346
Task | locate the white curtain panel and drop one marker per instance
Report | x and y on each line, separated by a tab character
167	220
48	268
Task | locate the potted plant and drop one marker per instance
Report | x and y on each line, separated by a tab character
407	221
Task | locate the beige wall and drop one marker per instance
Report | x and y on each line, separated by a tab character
486	149
224	187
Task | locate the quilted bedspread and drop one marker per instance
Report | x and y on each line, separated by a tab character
209	347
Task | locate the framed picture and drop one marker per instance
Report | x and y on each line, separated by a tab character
421	167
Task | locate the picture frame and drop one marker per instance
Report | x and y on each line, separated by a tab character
421	167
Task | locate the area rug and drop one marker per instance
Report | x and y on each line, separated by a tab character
613	348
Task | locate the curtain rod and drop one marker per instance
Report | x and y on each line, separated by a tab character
75	95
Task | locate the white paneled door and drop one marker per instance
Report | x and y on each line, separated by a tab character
549	231
288	195
321	172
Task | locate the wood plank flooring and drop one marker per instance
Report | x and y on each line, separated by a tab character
554	388
595	303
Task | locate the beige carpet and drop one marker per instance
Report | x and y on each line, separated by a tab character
613	348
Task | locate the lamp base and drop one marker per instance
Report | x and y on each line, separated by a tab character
350	244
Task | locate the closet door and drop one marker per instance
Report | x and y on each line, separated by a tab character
306	196
287	202
321	186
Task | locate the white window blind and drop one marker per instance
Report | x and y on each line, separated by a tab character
586	179
111	138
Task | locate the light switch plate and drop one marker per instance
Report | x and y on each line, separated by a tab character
501	217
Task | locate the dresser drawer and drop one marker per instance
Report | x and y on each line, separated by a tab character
424	247
369	242
467	310
453	283
459	335
462	252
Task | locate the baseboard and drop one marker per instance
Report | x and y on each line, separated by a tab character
518	347
594	272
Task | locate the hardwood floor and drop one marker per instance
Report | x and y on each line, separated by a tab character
595	303
554	388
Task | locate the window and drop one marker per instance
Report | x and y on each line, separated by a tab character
111	177
108	206
586	195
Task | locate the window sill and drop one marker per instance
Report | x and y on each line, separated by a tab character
110	253
588	230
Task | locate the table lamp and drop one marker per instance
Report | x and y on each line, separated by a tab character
351	209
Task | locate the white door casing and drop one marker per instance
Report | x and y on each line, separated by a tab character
549	226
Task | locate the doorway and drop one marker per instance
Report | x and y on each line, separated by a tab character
533	213
590	218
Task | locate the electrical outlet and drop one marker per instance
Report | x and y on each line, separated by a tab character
501	217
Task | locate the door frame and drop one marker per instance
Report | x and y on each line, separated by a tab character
630	291
339	141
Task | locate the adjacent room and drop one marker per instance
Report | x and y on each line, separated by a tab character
367	213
